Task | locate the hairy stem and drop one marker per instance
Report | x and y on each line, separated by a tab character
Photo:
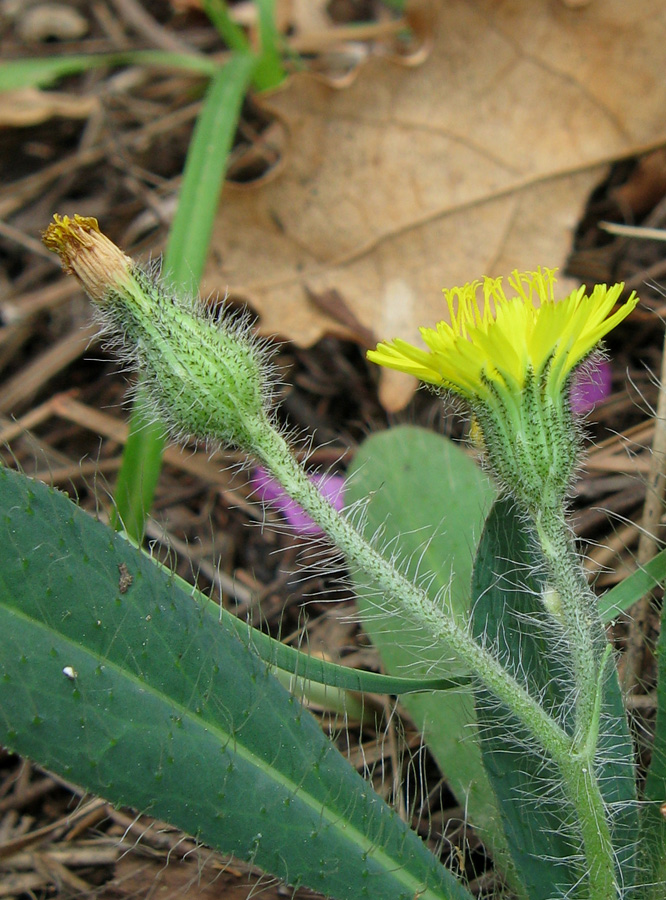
582	786
577	769
585	636
578	616
275	454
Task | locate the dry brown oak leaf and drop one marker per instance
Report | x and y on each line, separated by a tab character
477	162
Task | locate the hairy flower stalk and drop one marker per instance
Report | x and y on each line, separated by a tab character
211	379
511	358
139	313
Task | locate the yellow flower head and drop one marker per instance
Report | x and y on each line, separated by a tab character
511	357
494	346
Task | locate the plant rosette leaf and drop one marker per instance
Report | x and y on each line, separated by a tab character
113	677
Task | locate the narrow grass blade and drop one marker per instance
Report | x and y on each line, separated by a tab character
35	72
623	596
203	177
652	837
139	472
184	260
269	72
116	679
231	33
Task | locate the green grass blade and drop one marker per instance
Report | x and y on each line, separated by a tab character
184	261
623	596
231	33
118	680
652	837
269	72
139	471
203	177
23	73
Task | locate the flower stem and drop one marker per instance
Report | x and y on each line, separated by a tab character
576	768
578	616
583	789
275	454
585	637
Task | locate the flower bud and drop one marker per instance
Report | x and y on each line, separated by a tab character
207	377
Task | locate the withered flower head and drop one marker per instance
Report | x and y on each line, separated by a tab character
88	254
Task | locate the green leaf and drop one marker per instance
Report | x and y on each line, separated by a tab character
139	471
203	176
116	679
508	614
184	261
311	668
36	72
427	502
231	33
269	72
623	596
320	671
652	836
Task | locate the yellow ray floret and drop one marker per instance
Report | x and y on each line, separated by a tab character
497	339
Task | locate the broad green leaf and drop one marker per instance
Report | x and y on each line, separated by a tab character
319	671
508	615
427	503
118	680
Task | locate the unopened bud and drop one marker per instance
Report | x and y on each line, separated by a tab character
206	377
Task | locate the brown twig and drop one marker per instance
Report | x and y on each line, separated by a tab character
637	635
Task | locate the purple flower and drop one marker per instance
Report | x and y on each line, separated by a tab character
591	384
271	491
